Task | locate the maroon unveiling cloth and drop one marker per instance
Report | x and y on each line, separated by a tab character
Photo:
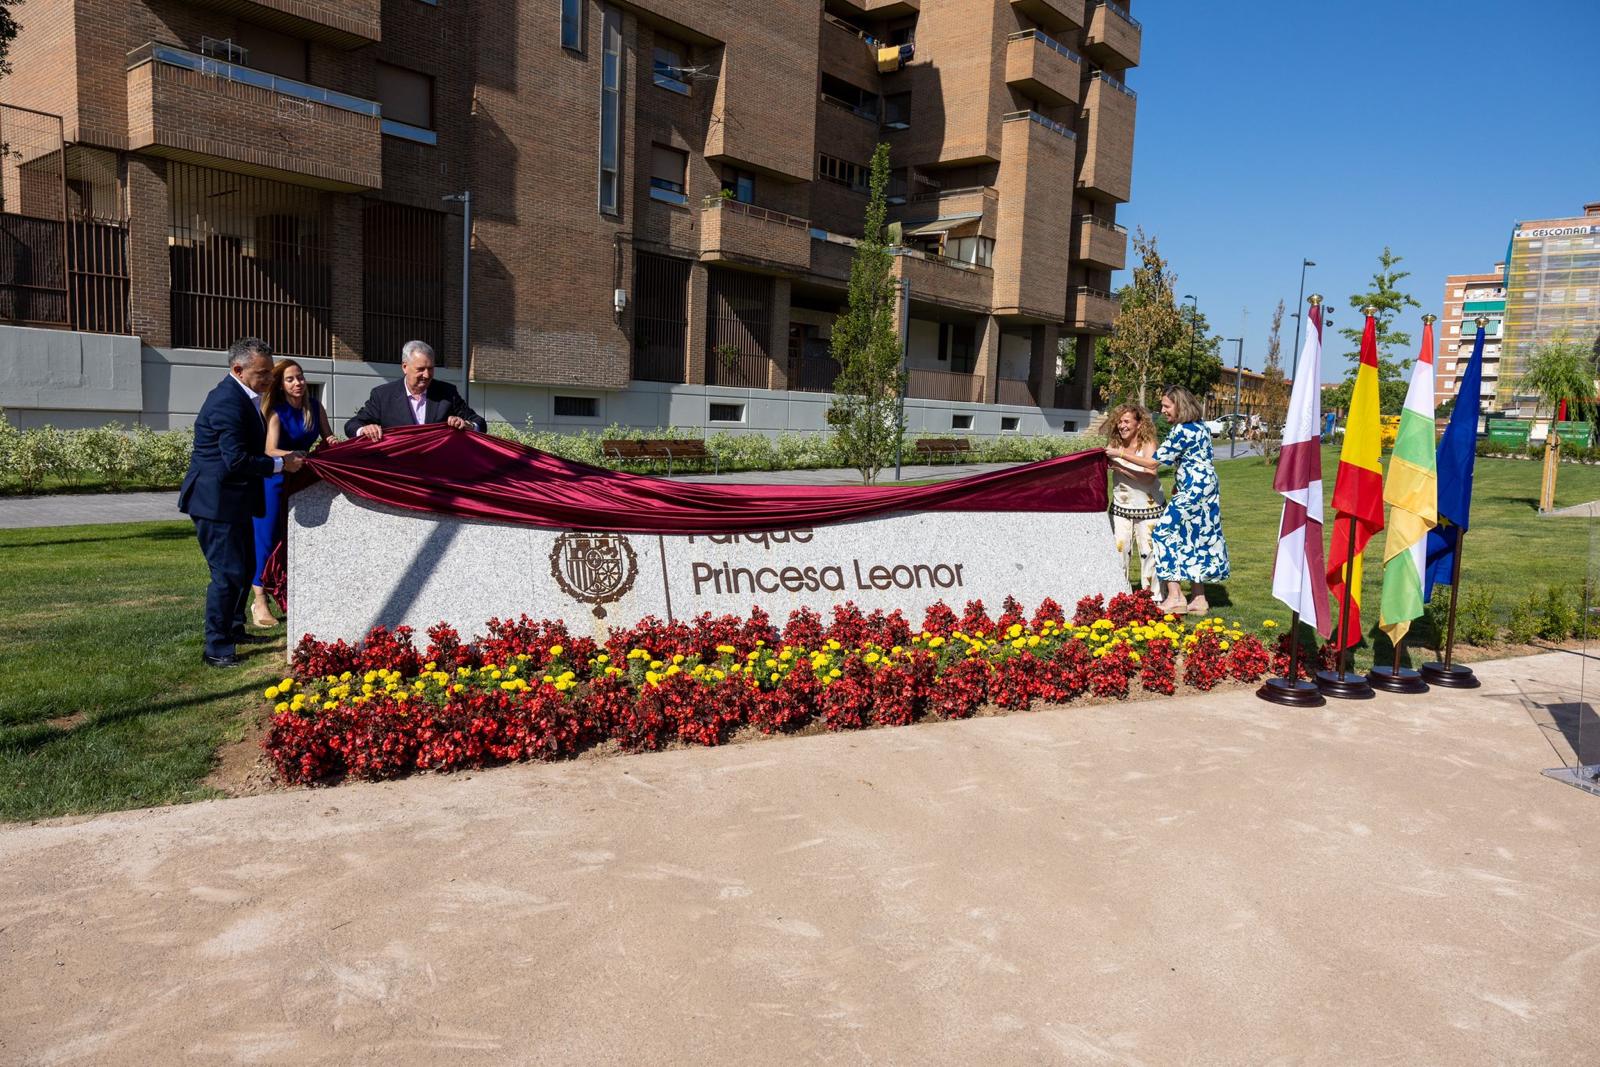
438	470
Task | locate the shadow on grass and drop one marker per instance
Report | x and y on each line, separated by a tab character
31	737
179	534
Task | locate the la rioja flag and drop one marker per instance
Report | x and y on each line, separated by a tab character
1299	577
1412	493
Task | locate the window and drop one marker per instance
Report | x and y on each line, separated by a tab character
958	343
842	172
1009	423
975	250
407	99
858	101
897	111
961	422
740	183
610	108
727	413
577	407
572	24
667	168
668	67
1069	426
273	51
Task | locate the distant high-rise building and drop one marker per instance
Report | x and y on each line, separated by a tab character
1466	296
1554	293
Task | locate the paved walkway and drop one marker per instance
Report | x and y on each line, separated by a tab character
19	512
1215	880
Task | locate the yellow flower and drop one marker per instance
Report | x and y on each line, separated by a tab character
872	657
288	683
1269	624
1033	641
556	650
282	707
271	693
834	673
1223	645
773	677
652	677
786	655
935	642
655	665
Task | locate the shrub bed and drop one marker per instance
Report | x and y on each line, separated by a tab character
529	689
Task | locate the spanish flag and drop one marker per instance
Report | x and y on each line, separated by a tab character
1357	490
1412	492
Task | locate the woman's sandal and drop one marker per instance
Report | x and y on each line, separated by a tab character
1201	610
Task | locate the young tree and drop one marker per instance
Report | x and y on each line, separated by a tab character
1274	390
1194	358
8	33
1560	369
865	413
1390	301
1147	326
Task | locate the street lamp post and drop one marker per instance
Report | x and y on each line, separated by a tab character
1194	316
465	200
1238	373
1299	317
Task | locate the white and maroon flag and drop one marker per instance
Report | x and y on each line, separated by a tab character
1299	576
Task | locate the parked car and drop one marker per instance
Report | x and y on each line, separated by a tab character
1221	425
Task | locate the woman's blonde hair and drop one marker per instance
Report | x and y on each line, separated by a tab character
1144	429
1185	407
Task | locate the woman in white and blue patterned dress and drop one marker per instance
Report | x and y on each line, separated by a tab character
1188	538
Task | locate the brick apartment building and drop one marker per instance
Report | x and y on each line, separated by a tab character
664	199
1466	296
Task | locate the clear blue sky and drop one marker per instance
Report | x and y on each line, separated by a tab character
1272	132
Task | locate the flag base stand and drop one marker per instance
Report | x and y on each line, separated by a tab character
1392	680
1584	778
1449	676
1301	694
1344	686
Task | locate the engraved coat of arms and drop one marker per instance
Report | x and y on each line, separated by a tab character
594	568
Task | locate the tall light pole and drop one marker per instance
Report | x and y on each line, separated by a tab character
1238	373
1299	315
465	200
1194	316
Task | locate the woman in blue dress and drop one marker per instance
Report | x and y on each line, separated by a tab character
1188	538
295	423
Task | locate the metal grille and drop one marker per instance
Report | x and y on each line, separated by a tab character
403	280
660	317
97	241
738	329
33	275
249	257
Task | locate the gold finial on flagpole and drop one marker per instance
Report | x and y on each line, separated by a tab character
1370	310
1429	319
1314	299
1481	321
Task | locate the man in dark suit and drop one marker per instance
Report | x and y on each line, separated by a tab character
413	400
222	490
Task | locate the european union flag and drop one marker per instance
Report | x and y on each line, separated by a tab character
1458	449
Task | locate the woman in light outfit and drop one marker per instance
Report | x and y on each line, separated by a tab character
1188	538
1136	497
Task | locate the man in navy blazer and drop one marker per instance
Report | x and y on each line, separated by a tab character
413	400
223	491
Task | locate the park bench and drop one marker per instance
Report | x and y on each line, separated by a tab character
952	448
669	450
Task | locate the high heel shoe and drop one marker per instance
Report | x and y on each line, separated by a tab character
260	614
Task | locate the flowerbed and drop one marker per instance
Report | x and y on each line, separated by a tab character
531	690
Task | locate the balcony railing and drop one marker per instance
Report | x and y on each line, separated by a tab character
926	384
1101	77
1047	41
1048	123
1016	391
812	374
219	68
765	214
1119	11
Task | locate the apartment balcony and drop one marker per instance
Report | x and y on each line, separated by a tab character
1053	13
974	201
1043	68
202	110
1091	310
735	232
889	9
1109	108
926	384
1113	36
1099	243
1033	239
946	282
847	51
1017	391
341	23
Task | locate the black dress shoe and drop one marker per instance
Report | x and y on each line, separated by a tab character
250	639
230	660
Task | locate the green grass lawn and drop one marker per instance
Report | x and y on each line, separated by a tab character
104	702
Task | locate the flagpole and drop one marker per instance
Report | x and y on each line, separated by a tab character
1291	691
1449	674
